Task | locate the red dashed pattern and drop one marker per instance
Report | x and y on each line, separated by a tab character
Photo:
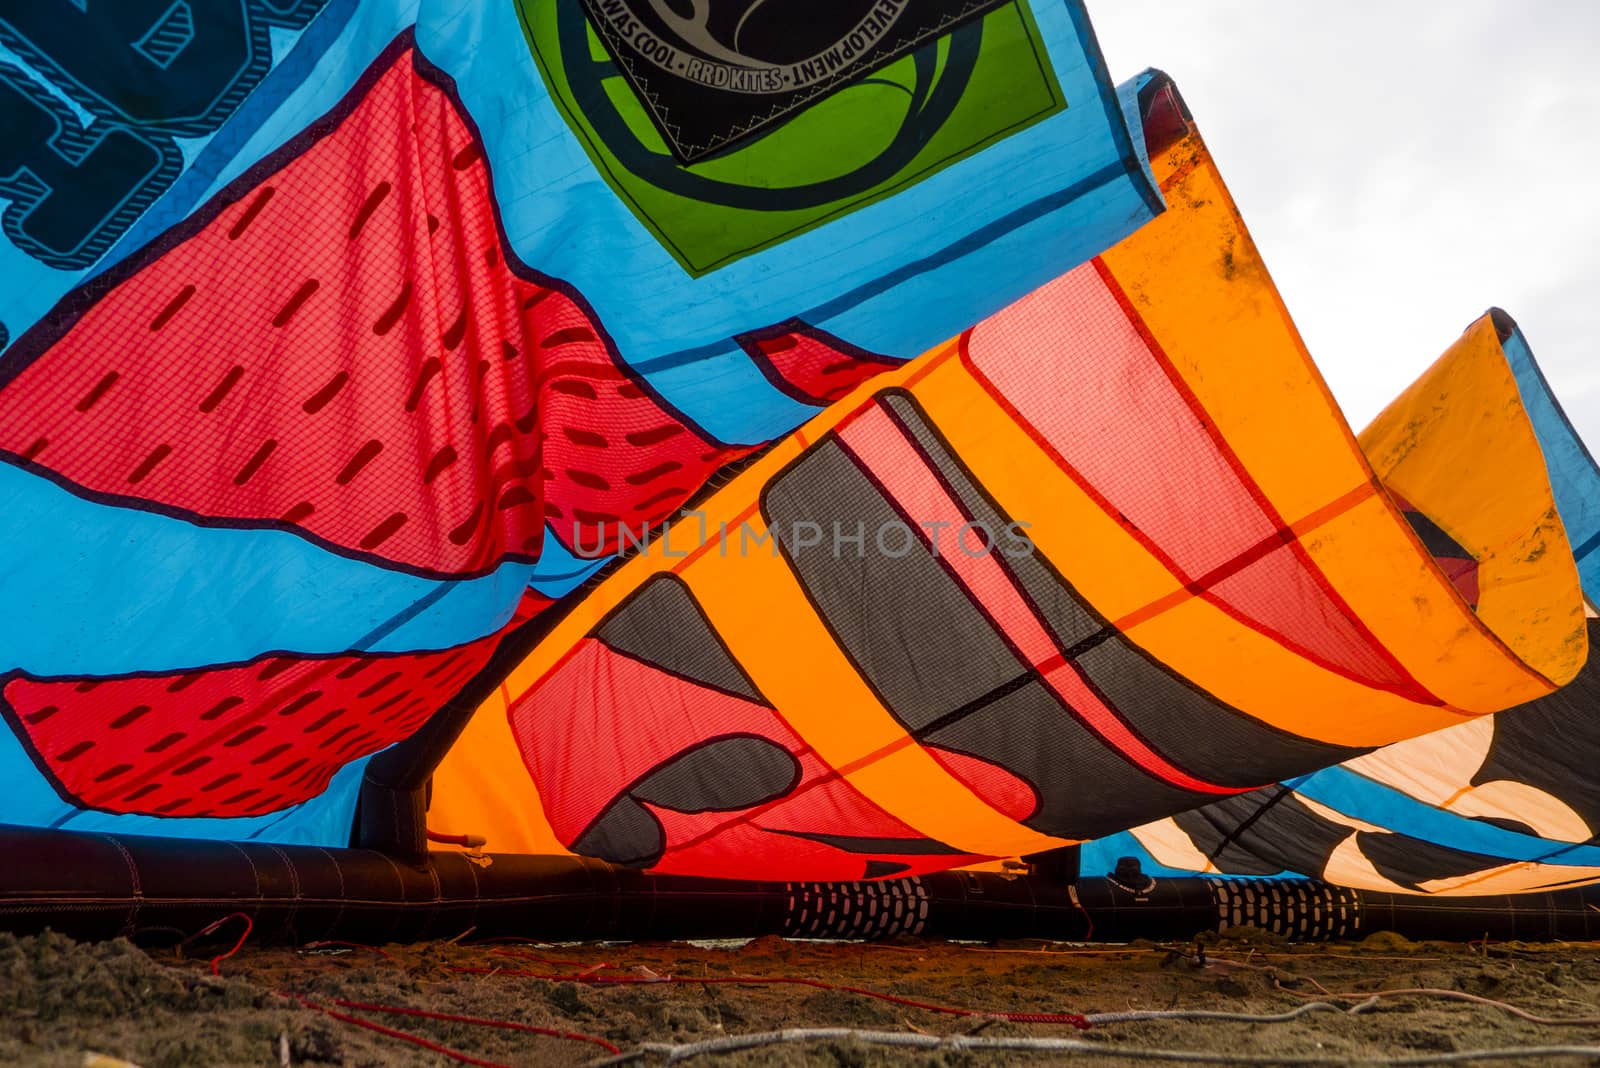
812	365
237	741
615	458
343	349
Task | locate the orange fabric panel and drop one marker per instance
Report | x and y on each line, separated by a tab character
1199	284
1154	422
490	792
762	614
1458	445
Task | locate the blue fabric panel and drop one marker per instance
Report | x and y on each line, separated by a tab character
1573	474
106	590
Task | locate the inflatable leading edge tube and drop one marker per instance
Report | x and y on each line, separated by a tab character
160	890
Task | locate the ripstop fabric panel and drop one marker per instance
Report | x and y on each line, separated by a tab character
1482	498
1493	806
1110	551
1500	805
340	339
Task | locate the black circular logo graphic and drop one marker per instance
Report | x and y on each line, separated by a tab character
935	90
752	46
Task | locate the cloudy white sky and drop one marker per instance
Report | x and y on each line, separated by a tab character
1403	165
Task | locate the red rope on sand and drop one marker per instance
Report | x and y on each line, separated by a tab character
509	1025
216	962
1070	1018
404	1036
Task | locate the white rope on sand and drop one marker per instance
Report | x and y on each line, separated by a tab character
673	1053
1101	1018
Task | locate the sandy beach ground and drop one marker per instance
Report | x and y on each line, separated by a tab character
163	1008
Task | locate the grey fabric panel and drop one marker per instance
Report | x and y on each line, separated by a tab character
878	869
1412	861
1435	539
662	625
1064	615
1085	789
626	833
904	622
722	775
1196	732
1506	824
1193	730
951	681
903	847
1550	743
1264	832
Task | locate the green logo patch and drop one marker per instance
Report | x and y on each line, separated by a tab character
867	139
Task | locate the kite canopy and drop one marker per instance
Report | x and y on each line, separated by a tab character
1503	805
778	448
1167	574
404	302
